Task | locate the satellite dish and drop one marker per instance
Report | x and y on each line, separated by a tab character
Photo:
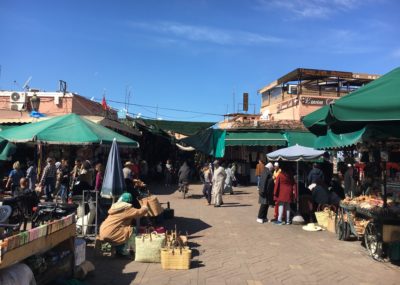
26	86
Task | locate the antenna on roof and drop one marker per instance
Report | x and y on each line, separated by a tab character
26	86
63	86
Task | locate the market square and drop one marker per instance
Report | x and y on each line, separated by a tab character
199	142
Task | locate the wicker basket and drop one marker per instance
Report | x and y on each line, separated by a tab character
322	216
176	258
154	205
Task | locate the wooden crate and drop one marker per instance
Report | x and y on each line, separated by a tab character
390	233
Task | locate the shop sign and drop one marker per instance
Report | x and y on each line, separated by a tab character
316	101
287	104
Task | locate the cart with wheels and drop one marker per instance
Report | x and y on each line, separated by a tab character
378	228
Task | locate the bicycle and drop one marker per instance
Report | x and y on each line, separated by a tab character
184	188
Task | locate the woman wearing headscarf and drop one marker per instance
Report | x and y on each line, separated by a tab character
117	227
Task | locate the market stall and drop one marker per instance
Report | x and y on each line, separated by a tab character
366	218
48	250
367	120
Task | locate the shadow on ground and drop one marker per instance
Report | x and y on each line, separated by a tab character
189	225
227	205
116	275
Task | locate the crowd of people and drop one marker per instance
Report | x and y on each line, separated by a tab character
288	193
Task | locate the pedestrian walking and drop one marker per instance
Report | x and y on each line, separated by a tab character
99	177
31	175
207	180
14	177
64	180
349	182
275	174
265	192
48	181
169	170
228	187
218	182
316	175
284	193
259	170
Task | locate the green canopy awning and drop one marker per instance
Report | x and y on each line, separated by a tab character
370	132
332	140
379	100
315	121
301	138
376	102
254	139
7	149
6	127
210	142
180	127
67	129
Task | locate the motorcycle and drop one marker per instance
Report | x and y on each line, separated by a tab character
49	211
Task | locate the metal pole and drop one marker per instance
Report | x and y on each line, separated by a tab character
297	194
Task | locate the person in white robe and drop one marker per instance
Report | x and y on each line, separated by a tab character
218	183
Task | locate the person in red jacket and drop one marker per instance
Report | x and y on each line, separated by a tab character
284	193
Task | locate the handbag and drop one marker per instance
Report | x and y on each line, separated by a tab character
175	255
148	246
176	258
153	204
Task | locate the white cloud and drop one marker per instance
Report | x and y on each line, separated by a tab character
311	8
205	34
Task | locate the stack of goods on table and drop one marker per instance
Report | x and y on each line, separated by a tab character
168	248
24	237
371	204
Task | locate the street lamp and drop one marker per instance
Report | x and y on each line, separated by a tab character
35	102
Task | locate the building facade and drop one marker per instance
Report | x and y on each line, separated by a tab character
303	91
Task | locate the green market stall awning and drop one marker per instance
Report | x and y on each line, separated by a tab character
377	101
371	132
315	121
180	127
7	149
254	139
210	142
301	138
332	140
67	129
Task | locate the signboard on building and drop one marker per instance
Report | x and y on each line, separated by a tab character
316	101
287	104
245	102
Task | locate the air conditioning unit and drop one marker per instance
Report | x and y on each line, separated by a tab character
17	101
292	89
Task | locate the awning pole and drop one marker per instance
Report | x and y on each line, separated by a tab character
297	190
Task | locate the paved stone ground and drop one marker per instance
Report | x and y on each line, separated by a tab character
229	247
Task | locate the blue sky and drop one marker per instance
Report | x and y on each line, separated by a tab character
192	55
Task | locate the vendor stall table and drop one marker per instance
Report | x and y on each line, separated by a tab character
62	239
39	245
